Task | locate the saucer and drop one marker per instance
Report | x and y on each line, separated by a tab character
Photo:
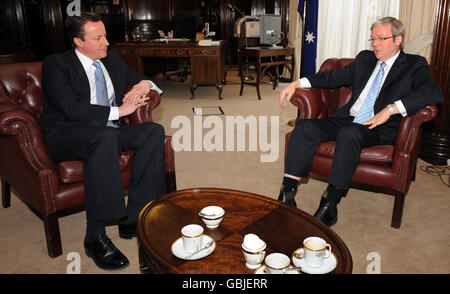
329	264
262	271
178	251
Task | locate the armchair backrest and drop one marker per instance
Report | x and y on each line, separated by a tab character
336	98
22	82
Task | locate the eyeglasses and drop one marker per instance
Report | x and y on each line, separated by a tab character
380	39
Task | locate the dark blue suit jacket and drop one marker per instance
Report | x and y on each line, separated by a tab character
67	93
409	80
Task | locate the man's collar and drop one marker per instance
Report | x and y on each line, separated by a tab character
391	60
85	61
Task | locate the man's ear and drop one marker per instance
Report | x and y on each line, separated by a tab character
78	42
398	40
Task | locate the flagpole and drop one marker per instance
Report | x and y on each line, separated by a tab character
303	38
292	122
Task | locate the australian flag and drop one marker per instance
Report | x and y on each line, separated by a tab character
310	35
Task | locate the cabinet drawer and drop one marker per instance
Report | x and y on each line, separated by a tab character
125	51
207	51
165	52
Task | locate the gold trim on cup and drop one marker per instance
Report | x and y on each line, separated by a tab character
191	237
324	248
205	216
259	250
298	253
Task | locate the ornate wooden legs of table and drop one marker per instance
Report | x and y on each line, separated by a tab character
194	86
277	57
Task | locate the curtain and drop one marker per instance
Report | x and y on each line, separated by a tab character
295	36
344	25
418	16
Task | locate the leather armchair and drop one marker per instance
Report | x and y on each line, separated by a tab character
391	167
49	189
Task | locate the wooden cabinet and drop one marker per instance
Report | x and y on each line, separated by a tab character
208	67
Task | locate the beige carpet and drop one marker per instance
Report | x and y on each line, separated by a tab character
421	245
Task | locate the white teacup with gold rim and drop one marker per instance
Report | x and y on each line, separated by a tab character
279	263
192	236
315	250
254	251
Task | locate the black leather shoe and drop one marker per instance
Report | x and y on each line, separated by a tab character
105	254
326	212
127	231
288	197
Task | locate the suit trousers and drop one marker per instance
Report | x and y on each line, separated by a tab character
350	139
100	148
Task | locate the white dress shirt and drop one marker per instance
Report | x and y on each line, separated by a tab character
304	83
89	68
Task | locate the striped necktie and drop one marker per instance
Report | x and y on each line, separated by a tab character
100	89
366	109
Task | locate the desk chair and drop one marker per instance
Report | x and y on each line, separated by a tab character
179	67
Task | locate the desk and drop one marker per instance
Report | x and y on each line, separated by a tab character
282	227
260	55
207	62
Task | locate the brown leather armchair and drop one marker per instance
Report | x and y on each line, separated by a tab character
391	167
50	190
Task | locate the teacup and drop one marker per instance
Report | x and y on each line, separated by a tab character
253	250
192	236
279	263
212	216
315	250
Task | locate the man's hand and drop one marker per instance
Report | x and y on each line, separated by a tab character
380	118
136	94
135	98
288	91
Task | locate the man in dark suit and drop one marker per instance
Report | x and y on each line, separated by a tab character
85	100
386	85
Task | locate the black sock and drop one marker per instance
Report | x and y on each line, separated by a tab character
289	184
93	229
128	221
333	194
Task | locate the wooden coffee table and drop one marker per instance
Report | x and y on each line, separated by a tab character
283	228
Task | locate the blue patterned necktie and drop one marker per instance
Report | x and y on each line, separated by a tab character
100	85
366	109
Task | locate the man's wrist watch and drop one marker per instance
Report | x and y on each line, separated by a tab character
390	107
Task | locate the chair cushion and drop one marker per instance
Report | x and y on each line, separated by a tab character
72	171
380	154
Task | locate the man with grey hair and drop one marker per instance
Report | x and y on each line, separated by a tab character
387	84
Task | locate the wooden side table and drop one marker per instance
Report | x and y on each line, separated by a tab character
259	56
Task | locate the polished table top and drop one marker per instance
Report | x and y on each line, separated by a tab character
283	228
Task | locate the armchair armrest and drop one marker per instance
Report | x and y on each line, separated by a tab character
310	103
25	159
17	122
144	113
407	143
409	129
